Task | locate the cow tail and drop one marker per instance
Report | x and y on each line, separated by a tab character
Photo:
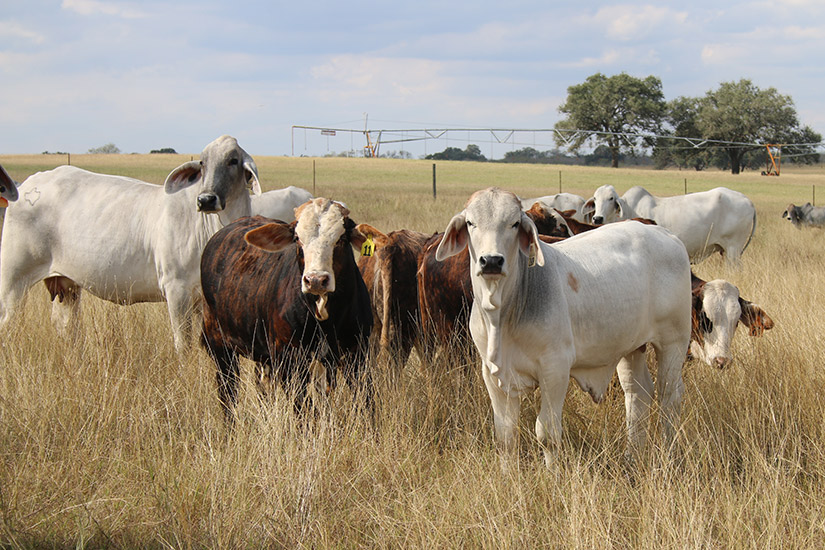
753	230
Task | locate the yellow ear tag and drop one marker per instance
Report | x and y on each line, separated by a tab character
368	248
531	255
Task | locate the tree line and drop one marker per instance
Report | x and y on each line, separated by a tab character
626	119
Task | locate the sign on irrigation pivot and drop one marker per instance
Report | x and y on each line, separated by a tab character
327	132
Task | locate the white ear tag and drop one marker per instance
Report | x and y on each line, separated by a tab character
531	255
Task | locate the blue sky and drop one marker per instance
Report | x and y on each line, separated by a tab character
78	74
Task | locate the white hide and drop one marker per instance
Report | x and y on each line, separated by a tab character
719	220
122	239
559	201
280	204
586	308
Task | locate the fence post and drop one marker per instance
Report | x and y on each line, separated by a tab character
559	181
685	186
313	178
434	190
813	192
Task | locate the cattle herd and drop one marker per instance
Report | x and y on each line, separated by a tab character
546	288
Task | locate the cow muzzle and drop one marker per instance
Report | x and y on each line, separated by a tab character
209	202
491	264
319	283
721	362
598	220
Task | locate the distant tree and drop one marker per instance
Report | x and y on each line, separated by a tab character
612	106
680	119
165	151
472	152
741	113
108	149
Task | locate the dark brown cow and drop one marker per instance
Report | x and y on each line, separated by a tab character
389	274
280	294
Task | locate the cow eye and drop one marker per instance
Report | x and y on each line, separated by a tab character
2	188
515	225
233	162
470	224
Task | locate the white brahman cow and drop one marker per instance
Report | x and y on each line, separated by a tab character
719	220
559	201
280	204
122	239
717	311
806	215
584	307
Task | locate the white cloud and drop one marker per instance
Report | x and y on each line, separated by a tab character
93	7
12	29
628	22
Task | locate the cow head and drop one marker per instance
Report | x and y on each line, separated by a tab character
604	206
548	220
496	231
795	214
717	311
323	232
224	172
8	188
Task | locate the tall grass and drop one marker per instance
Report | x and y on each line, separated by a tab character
108	438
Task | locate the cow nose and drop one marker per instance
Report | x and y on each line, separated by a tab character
208	202
721	362
491	263
598	220
317	283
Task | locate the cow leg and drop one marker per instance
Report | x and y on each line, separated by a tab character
669	388
638	397
179	303
65	303
505	414
228	376
548	423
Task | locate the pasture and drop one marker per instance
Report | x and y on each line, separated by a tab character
111	439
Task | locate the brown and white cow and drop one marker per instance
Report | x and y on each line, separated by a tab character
280	294
390	275
717	311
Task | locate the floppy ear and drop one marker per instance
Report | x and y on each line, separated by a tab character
754	317
251	170
588	209
188	173
8	187
272	237
365	230
455	238
528	241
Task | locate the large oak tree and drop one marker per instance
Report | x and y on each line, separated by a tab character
606	109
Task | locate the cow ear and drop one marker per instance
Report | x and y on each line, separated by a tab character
589	207
455	238
251	170
8	186
272	237
528	240
754	317
364	230
188	173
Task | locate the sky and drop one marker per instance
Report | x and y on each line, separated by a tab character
143	75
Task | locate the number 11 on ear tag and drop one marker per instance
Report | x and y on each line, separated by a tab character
368	248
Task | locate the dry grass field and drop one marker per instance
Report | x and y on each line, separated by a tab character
111	439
